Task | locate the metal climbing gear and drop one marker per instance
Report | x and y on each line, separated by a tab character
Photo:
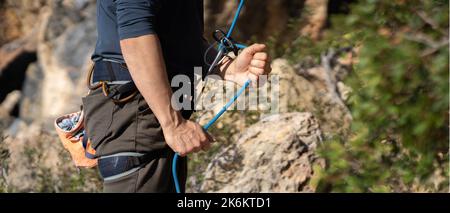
126	89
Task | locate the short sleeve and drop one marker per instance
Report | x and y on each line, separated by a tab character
136	17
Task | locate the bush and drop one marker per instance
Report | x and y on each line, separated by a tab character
400	134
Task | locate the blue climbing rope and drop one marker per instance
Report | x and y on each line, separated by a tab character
236	17
224	108
230	102
174	173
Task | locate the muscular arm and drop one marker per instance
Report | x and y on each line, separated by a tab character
145	61
144	58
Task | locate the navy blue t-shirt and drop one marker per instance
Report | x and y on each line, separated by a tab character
178	24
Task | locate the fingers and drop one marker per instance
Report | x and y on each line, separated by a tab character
191	138
258	63
194	140
263	56
262	60
187	142
182	148
253	49
256	70
196	145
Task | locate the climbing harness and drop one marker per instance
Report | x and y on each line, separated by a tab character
226	45
125	83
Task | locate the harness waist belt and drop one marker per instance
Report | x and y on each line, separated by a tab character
110	72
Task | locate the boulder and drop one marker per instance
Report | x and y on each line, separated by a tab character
274	155
316	89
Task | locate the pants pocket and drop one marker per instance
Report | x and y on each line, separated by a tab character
98	112
149	134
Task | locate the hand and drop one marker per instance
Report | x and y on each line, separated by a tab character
187	137
251	63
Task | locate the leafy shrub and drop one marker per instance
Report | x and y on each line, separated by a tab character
400	101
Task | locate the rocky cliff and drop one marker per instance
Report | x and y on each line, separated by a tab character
274	155
44	53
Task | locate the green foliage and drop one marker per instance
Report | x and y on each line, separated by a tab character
400	103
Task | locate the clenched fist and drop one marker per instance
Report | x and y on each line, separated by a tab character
187	137
251	63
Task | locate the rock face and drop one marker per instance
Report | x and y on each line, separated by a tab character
274	155
18	18
317	89
64	50
62	35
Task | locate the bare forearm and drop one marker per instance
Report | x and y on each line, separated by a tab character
144	59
